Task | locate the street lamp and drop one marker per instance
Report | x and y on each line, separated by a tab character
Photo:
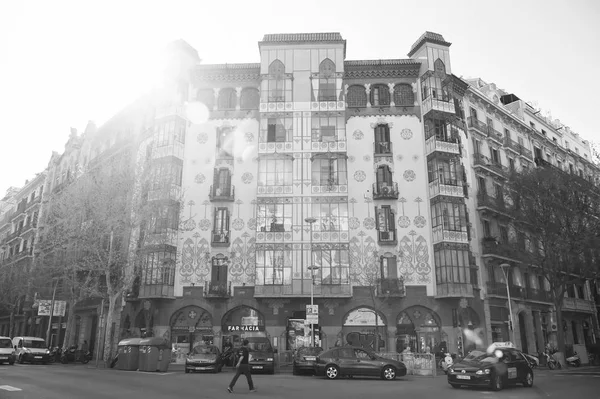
312	268
505	268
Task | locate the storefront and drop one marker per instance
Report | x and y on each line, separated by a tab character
190	326
239	322
365	327
418	329
299	334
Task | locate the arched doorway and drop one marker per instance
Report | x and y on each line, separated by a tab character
365	327
239	322
418	328
523	332
190	326
472	334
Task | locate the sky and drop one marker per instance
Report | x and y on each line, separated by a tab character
63	63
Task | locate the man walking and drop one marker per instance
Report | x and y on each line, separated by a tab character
242	367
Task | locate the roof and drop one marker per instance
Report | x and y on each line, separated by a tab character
382	62
430	37
327	37
221	67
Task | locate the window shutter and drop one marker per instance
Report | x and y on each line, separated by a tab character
376	218
226	220
392	267
391	221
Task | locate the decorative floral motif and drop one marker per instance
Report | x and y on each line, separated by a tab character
409	175
406	134
247	178
249	137
353	223
367	158
369	223
420	221
399	157
252	224
238	224
415	157
188	225
414	255
358	135
360	175
202	138
403	221
200	178
351	158
204	224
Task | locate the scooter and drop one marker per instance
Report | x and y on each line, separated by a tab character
74	355
446	362
551	361
573	360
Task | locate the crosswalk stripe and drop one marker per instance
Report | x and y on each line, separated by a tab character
9	388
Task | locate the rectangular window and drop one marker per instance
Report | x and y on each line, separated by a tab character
274	265
330	216
166	172
170	131
329	172
158	268
507	133
482	186
275	172
490	123
503	234
218	277
279	89
495	156
275	217
327	127
221	222
222	182
389	267
498	193
450	216
165	218
445	171
327	89
452	266
276	130
487	229
333	264
511	164
225	140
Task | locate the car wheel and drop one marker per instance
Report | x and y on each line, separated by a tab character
497	383
187	370
21	360
388	373
332	372
528	381
11	362
551	365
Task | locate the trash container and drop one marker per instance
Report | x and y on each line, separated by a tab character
128	350
155	354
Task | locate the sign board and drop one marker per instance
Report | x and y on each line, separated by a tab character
243	328
250	321
44	307
312	314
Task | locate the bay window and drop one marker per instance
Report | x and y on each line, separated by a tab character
334	265
276	129
445	171
451	216
275	172
328	127
328	171
170	131
274	217
331	217
452	265
274	265
158	268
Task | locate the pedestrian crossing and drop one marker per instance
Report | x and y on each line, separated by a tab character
10	388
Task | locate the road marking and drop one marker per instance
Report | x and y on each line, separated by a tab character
154	373
9	388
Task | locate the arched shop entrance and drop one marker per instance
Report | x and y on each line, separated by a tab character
240	321
362	328
190	326
418	328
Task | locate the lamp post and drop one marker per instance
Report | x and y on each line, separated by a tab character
312	268
505	268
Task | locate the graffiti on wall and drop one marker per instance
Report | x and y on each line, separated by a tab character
365	340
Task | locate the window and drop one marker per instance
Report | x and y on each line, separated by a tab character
382	139
158	268
450	216
511	164
507	133
334	265
331	216
357	96
169	132
225	141
274	130
221	221
490	123
532	125
440	128
207	97
386	223
487	229
165	173
571	170
329	171
452	266
498	193
544	132
389	267
503	235
222	182
275	172
250	98
384	176
476	147
403	95
380	95
495	156
274	217
165	218
227	99
482	186
219	273
328	127
327	81
538	153
274	265
445	171
279	86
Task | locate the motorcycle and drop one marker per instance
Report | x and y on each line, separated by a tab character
573	360
551	361
75	355
446	362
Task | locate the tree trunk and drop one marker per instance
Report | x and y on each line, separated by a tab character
69	338
11	325
109	339
560	332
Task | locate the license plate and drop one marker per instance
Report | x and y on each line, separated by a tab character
3	357
463	377
38	357
257	367
313	358
202	368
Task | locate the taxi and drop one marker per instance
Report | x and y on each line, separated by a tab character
500	365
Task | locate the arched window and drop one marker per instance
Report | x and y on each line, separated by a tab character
277	82
327	80
389	268
227	99
206	97
439	67
357	96
250	98
403	95
380	95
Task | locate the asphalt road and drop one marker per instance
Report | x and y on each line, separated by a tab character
78	381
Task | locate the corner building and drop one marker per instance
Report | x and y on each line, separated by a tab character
371	149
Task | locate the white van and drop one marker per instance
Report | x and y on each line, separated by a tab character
7	352
31	349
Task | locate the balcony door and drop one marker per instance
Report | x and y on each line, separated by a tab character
389	267
384	176
382	139
219	273
222	182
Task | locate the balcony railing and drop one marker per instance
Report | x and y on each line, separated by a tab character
301	289
157	291
391	287
454	290
535	294
448	146
492	247
525	152
385	191
439	105
511	145
382	147
442	233
495	135
474	123
217	290
578	305
220	238
499	289
222	193
387	237
480	160
485	200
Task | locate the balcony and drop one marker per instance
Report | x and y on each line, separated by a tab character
222	193
301	289
481	161
383	148
491	247
383	191
495	135
511	145
391	287
524	152
447	187
441	234
486	202
436	105
217	290
499	289
454	290
387	237
150	291
14	235
448	146
220	238
578	305
534	294
474	124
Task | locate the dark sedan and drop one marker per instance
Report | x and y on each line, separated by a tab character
350	361
305	360
494	369
204	358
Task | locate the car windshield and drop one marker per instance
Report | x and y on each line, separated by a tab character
308	350
474	354
259	344
483	358
33	344
5	343
205	350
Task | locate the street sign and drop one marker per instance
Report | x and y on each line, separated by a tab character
312	314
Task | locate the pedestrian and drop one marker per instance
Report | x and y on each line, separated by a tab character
84	347
242	367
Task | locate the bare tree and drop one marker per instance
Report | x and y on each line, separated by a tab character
557	219
13	289
595	152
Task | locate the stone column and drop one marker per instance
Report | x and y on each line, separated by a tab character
368	91
238	92
216	104
391	88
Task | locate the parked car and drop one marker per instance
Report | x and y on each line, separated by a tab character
31	349
262	355
305	359
7	352
351	360
499	366
204	358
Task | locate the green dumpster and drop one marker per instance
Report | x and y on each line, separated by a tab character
155	354
128	350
